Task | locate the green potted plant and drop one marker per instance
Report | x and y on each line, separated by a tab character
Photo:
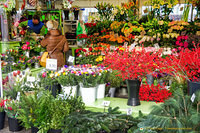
114	81
68	82
2	113
11	108
101	80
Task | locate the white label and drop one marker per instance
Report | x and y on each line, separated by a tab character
27	54
126	44
30	79
106	103
156	45
132	46
193	97
112	47
51	64
129	111
71	59
18	96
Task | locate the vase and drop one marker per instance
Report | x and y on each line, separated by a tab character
88	94
69	90
133	92
54	131
112	91
14	124
55	89
34	129
76	12
2	120
101	91
193	87
150	79
71	15
66	12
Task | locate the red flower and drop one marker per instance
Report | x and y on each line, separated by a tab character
84	50
90	49
44	75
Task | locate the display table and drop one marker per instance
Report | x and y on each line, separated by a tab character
8	45
145	106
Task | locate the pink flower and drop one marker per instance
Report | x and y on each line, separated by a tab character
174	50
16	24
158	39
27	43
29	48
177	42
181	44
179	48
44	75
24	47
178	38
186	37
185	44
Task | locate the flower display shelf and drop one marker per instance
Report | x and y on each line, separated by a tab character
145	106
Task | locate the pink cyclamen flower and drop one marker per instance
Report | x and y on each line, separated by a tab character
28	48
44	75
185	44
27	43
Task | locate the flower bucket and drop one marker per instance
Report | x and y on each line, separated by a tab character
76	13
112	91
193	87
133	92
54	131
88	94
66	12
14	124
34	129
69	90
101	91
55	89
2	120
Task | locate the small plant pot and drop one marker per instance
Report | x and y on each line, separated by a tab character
101	91
66	12
112	91
54	131
76	13
193	87
34	129
55	89
88	94
2	120
14	125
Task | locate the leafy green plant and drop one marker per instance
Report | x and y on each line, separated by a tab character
11	108
113	79
102	77
94	122
177	114
68	79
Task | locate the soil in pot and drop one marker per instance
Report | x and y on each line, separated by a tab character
54	131
14	125
2	120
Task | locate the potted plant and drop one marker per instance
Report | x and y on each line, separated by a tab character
132	66
75	9
49	82
114	81
2	113
66	6
68	82
101	80
11	111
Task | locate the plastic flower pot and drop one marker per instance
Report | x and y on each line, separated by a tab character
150	79
69	90
66	12
88	94
76	12
101	91
14	124
193	87
55	89
133	92
54	131
2	120
34	129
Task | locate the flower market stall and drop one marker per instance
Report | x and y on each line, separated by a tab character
103	67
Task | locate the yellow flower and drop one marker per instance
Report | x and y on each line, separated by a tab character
51	75
100	59
169	6
64	73
160	22
97	59
94	75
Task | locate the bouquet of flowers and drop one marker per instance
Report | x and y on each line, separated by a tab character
11	108
2	104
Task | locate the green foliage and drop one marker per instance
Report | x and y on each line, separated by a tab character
88	80
175	85
11	108
177	112
102	77
67	80
104	10
97	121
113	79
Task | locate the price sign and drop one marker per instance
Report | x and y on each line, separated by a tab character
129	111
71	59
18	96
30	79
51	64
193	97
156	46
132	46
106	103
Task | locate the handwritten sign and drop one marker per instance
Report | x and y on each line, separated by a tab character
106	103
129	111
71	59
193	97
30	79
51	64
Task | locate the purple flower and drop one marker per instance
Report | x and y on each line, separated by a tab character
66	66
108	83
19	61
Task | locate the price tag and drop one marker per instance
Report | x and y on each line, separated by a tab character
132	46
51	64
71	59
156	46
129	111
18	96
112	47
30	79
106	103
125	44
193	97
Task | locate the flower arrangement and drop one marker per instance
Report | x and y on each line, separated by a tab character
181	42
67	78
75	8
104	10
7	5
2	104
116	26
11	108
67	3
177	26
131	9
155	93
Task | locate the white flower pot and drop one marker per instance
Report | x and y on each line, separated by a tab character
101	91
69	90
112	91
88	94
